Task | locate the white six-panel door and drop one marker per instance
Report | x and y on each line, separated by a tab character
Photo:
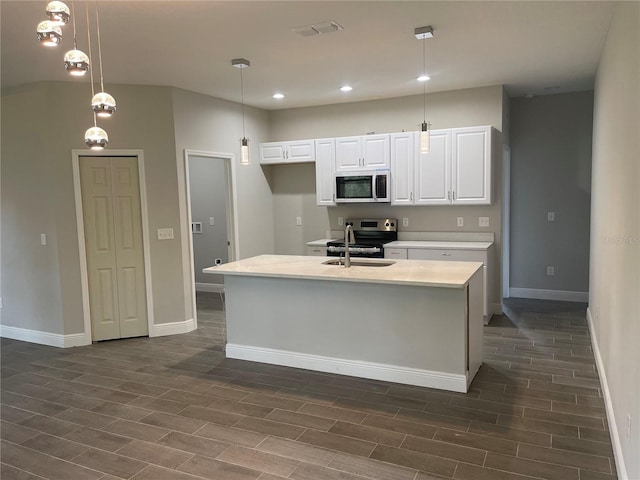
113	238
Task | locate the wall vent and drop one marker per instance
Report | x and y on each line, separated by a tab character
318	28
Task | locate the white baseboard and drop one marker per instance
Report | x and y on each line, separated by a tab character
173	328
540	294
613	426
44	338
210	287
355	368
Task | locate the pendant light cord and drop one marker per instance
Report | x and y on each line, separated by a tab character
99	48
90	61
424	84
242	100
73	18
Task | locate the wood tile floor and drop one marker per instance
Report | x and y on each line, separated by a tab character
175	408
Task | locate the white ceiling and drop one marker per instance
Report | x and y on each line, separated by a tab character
531	47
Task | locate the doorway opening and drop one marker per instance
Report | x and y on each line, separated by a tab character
211	219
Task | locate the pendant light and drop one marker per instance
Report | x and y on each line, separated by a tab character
49	34
242	63
423	33
95	137
58	13
76	61
102	103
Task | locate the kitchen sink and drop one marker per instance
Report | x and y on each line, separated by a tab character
361	262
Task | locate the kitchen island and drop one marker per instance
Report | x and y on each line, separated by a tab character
416	322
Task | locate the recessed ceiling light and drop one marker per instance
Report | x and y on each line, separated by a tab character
346	88
424	78
278	96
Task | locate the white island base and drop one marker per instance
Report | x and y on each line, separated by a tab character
422	333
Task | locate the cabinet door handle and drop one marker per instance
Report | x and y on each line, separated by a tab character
454	194
446	254
411	197
449	195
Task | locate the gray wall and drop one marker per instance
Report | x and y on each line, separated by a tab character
208	124
614	300
551	171
208	194
41	124
293	186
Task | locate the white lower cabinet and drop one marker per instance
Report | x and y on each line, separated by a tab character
317	251
398	253
454	255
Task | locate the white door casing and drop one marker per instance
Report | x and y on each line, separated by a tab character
185	215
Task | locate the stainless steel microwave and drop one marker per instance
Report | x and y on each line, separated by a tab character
362	186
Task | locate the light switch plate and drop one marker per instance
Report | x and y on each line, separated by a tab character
212	221
460	221
298	221
551	216
551	271
43	239
165	234
483	221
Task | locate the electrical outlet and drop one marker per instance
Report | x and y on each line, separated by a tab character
340	221
212	221
483	221
298	221
551	216
460	221
43	239
551	271
405	222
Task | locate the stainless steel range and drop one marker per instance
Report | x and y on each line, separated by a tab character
370	236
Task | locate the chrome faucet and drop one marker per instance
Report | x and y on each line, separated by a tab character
348	238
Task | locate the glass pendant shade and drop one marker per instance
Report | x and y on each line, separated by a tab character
58	13
244	151
103	104
425	138
96	138
76	62
49	34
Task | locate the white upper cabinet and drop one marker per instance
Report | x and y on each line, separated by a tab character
471	166
375	151
402	166
362	152
325	171
456	171
298	151
433	171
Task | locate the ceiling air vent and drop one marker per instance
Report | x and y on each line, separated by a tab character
318	28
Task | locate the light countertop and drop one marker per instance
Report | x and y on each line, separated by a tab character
320	243
424	273
439	244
